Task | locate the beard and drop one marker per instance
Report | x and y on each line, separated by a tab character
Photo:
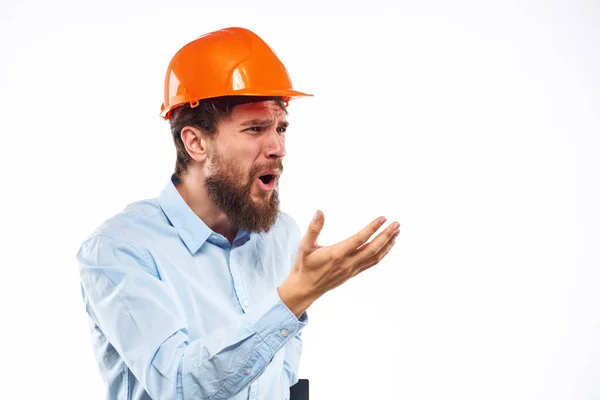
231	191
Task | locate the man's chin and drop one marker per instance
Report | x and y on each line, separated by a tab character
261	197
262	220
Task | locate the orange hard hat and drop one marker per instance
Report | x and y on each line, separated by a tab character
228	62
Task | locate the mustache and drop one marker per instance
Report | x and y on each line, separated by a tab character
274	165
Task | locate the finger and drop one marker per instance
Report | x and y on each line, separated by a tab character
374	262
355	241
309	241
372	248
376	259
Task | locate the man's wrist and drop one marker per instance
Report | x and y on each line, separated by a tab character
295	296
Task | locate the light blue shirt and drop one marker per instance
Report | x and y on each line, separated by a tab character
177	312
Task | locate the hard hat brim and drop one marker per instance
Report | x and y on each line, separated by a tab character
287	94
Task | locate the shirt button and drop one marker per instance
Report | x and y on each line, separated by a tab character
246	303
214	237
284	332
248	371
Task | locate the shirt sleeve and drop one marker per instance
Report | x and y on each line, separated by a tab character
140	317
293	350
291	362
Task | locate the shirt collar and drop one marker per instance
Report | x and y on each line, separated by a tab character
192	230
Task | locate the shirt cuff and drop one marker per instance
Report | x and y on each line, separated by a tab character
275	323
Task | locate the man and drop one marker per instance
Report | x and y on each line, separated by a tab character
202	292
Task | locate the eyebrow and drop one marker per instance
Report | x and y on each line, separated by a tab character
264	122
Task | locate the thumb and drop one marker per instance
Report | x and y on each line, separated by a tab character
309	241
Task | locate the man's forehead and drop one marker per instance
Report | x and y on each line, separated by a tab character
265	109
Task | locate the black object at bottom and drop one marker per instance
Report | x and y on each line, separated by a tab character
300	390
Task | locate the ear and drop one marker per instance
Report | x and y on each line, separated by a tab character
196	143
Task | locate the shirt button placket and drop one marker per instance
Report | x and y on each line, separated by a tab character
239	289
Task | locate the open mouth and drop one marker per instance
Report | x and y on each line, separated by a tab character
266	182
267	179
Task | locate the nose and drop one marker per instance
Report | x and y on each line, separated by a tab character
275	145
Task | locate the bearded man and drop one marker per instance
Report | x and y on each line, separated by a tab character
202	292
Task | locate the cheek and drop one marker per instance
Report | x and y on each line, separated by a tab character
245	156
246	163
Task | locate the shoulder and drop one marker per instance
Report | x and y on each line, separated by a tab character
285	234
135	219
286	226
121	237
286	220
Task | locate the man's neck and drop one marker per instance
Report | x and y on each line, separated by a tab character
193	191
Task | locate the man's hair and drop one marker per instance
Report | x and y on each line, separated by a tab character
206	117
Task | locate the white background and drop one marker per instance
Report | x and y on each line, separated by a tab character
475	124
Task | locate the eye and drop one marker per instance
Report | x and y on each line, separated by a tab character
255	129
281	129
